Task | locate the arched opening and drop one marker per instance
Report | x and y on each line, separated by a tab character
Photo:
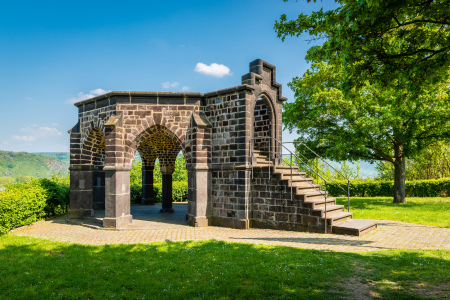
88	180
262	126
159	150
98	180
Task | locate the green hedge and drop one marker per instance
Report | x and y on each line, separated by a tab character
179	192
419	188
25	203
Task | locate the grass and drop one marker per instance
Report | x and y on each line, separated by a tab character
32	268
427	211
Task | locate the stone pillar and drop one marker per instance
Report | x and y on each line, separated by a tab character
98	186
147	185
117	206
81	191
167	172
199	204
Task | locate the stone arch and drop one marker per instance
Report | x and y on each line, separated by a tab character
158	142
138	134
92	151
158	135
97	124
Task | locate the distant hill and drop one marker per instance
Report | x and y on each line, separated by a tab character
61	156
17	164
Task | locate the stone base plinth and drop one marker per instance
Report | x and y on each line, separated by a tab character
230	223
197	221
118	222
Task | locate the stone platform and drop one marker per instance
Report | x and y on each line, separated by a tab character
152	227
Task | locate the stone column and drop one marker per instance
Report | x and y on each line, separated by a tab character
98	186
147	185
117	206
167	172
81	191
199	204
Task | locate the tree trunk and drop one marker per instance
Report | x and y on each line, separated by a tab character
399	180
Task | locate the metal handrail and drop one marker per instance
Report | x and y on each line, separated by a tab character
317	155
331	179
297	158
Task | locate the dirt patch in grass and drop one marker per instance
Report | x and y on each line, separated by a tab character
440	291
357	286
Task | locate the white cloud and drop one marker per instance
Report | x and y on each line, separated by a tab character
213	69
98	92
185	88
30	99
42	131
82	96
23	138
168	85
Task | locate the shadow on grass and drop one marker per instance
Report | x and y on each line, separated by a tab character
39	269
317	241
374	202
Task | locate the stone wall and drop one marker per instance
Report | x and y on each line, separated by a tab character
262	126
227	116
273	207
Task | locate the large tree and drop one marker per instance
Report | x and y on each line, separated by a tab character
378	86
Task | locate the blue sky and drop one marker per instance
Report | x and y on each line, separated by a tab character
55	52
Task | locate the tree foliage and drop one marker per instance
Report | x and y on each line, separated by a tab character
378	87
380	39
431	163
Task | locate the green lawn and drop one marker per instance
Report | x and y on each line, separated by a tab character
427	211
33	268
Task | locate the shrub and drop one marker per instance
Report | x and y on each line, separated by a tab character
179	192
419	188
136	193
25	203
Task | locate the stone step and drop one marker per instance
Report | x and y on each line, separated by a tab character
316	195
332	210
338	218
304	185
262	160
304	189
320	202
295	177
287	167
286	170
355	227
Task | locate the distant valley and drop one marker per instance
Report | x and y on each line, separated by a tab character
41	165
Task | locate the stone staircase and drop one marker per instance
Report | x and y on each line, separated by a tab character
339	221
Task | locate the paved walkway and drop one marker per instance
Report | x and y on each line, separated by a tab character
149	226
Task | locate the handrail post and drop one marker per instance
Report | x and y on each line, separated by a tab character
317	168
348	195
269	158
251	151
291	178
325	207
